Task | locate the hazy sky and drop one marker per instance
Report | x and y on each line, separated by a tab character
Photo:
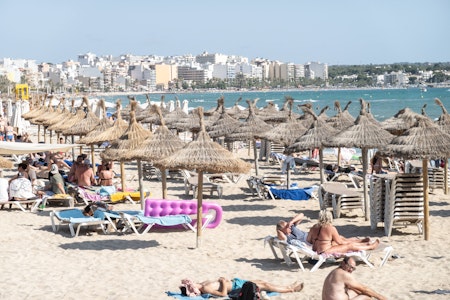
298	31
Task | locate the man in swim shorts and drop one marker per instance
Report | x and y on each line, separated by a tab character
223	286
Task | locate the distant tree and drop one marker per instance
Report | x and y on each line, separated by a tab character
412	80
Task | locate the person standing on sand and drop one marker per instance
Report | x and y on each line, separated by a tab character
325	238
340	284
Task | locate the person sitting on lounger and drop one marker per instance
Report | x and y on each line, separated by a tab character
92	207
222	286
84	175
325	238
56	184
288	231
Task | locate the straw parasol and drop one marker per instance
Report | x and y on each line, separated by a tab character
444	124
364	134
84	126
286	133
235	111
116	130
340	121
129	140
175	116
400	122
203	155
314	138
250	129
224	125
270	114
162	143
91	137
425	141
5	163
36	109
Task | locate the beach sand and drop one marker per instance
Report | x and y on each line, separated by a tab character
39	264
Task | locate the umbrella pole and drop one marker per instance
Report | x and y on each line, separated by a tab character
199	208
51	136
321	164
255	154
366	193
288	178
73	149
426	208
339	156
122	175
93	158
45	136
164	183
141	183
39	133
446	176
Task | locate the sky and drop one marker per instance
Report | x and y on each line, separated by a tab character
336	32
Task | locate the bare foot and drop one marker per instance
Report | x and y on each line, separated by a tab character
375	244
296	286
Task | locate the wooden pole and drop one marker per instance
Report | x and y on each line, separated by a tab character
426	208
141	183
199	208
164	183
364	151
255	154
446	176
122	176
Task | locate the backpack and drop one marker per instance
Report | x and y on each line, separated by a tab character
249	291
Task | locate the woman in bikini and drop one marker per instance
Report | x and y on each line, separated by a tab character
325	238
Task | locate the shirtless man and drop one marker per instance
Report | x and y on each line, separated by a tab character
84	175
325	238
222	286
340	284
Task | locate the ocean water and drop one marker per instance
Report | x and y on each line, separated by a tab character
384	103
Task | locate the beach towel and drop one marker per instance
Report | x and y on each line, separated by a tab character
292	194
178	295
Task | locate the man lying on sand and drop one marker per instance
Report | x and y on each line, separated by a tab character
222	287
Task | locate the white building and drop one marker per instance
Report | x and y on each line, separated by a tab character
316	70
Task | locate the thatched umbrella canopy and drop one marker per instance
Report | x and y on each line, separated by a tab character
146	111
343	118
68	122
400	122
314	138
36	109
49	114
224	125
153	117
286	133
91	137
116	130
235	111
129	140
173	118
340	121
422	141
5	163
84	126
215	110
306	118
270	114
249	130
126	110
161	144
203	155
444	124
364	134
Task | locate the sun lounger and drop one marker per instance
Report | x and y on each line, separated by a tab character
339	197
75	218
23	205
304	249
140	224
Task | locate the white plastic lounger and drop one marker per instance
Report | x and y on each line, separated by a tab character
75	218
141	224
304	249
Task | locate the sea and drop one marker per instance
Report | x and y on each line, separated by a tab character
384	103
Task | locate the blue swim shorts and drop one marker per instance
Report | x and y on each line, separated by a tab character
237	283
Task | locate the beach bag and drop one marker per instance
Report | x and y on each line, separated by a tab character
249	291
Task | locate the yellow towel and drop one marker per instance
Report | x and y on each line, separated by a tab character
120	196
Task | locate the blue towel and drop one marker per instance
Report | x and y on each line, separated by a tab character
205	296
292	194
166	220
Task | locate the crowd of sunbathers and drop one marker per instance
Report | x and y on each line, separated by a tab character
59	171
323	238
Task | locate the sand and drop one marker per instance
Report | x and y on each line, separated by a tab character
37	263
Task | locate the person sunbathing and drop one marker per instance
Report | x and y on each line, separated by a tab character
288	231
222	286
325	238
